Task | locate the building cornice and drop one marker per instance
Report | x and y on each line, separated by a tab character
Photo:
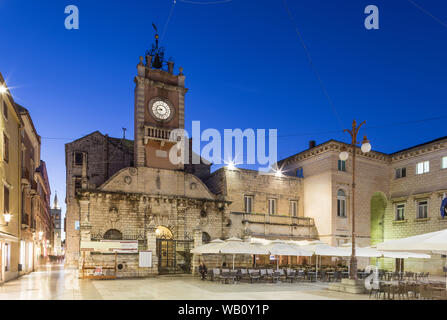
333	146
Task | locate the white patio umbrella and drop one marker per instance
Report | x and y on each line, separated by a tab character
237	246
231	246
433	241
209	248
428	242
280	248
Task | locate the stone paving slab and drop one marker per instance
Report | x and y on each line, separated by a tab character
55	283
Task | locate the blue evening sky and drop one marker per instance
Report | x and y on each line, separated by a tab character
244	64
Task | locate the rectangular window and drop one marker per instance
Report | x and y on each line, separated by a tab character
401	173
272	206
5	110
5	148
423	167
342	165
78	158
293	208
7	250
248	204
444	162
299	172
341	207
400	212
422	209
6	199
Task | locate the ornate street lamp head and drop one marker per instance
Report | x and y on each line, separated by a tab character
366	146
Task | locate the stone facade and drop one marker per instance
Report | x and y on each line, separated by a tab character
90	161
24	194
323	180
235	185
379	190
10	141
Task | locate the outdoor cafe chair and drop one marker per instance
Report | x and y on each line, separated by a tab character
244	275
215	274
226	276
254	275
290	275
300	275
272	275
263	274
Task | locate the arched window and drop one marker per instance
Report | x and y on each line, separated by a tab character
163	233
205	238
341	203
113	234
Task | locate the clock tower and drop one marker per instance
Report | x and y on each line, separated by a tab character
159	108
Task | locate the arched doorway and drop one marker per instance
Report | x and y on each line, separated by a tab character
173	255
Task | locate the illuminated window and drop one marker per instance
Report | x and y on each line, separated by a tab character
444	162
341	203
422	212
422	167
400	212
163	233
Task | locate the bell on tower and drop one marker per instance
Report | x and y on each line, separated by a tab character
159	108
155	56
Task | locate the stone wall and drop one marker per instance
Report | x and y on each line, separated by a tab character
105	156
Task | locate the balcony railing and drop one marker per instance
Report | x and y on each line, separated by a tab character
276	219
157	133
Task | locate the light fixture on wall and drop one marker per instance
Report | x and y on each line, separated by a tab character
231	165
7	217
278	173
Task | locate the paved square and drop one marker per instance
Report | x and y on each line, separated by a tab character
55	283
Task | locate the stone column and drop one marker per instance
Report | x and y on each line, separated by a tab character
197	242
151	239
139	148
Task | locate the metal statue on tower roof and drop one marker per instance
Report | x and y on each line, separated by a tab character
157	52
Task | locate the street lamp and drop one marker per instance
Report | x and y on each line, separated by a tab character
7	217
365	147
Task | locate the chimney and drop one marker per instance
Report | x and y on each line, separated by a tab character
312	144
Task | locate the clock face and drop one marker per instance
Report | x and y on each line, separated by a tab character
161	110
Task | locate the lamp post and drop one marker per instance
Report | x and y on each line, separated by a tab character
366	147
